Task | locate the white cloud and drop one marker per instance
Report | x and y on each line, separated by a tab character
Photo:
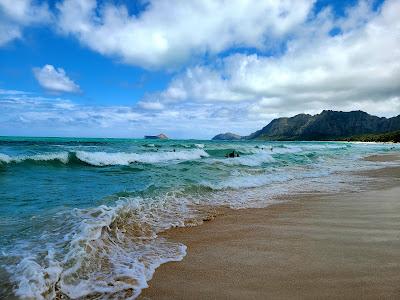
168	33
27	113
55	79
8	32
12	92
151	105
16	14
356	69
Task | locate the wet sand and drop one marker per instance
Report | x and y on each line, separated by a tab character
383	157
342	246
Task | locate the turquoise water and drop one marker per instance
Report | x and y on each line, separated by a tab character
80	217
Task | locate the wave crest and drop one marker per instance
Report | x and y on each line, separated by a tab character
122	158
106	244
100	159
252	160
62	157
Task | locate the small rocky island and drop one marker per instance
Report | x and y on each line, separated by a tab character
161	136
228	136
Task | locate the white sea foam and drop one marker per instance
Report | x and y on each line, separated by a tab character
5	158
36	281
149	145
250	181
112	250
122	158
251	160
284	150
324	146
109	158
59	156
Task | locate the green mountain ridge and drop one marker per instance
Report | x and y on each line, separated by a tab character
328	125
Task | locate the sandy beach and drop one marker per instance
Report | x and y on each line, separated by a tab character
341	246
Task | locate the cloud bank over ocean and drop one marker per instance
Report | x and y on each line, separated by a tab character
216	65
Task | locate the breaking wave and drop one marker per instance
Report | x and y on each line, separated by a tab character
111	251
251	160
62	157
100	159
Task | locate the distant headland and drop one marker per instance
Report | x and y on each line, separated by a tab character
161	136
328	125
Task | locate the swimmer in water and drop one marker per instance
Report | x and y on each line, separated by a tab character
230	155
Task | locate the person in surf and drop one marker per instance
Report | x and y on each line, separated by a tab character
232	154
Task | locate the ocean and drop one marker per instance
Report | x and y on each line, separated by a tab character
81	217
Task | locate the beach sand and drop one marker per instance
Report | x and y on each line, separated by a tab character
342	246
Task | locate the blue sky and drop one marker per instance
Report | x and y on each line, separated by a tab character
191	69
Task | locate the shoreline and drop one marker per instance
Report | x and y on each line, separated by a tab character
342	245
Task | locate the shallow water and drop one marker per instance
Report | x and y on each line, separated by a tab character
80	217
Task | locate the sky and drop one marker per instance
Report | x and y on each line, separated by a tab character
191	69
